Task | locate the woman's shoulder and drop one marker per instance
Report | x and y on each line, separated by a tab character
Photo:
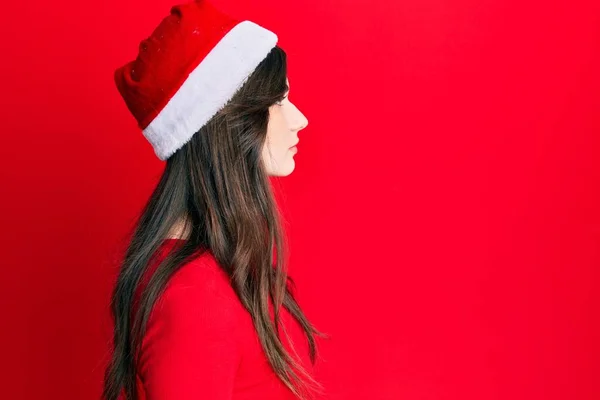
197	299
201	278
194	332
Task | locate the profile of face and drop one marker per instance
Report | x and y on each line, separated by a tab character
285	121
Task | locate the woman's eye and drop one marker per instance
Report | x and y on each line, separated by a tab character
280	103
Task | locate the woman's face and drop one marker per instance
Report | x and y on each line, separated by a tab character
285	121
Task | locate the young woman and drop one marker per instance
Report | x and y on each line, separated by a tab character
203	307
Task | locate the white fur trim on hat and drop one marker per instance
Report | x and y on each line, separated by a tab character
209	86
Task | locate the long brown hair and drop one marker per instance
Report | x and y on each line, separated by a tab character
218	184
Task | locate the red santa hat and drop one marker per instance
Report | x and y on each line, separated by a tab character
187	70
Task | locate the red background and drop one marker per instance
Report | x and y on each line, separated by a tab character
444	214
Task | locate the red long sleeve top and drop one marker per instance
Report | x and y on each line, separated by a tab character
200	343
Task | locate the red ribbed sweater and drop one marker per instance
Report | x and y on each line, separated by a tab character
200	342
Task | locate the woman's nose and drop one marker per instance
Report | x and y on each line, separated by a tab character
302	121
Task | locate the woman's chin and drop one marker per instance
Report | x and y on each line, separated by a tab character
286	169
